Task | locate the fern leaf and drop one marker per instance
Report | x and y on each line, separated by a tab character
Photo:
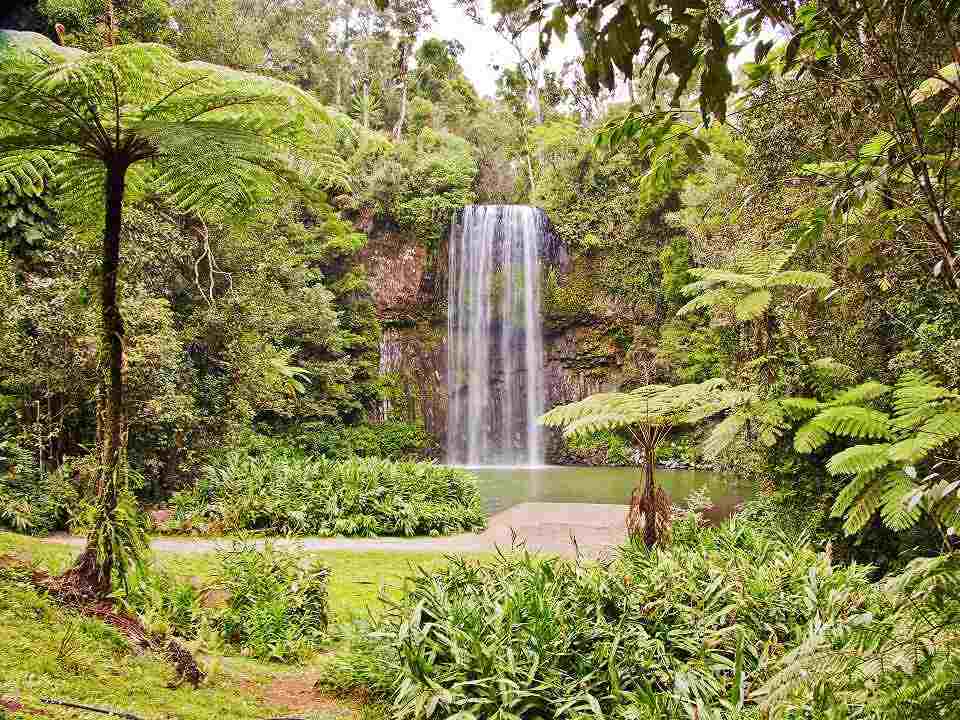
809	437
752	306
855	422
710	298
942	428
723	434
798	407
859	459
849	493
807	279
726	277
897	511
916	390
864	507
860	394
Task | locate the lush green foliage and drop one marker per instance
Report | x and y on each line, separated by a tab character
392	440
32	501
265	603
692	629
285	492
908	470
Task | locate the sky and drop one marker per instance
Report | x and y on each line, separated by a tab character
484	48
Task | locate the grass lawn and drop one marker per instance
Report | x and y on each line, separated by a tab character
46	652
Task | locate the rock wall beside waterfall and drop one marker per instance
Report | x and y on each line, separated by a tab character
582	353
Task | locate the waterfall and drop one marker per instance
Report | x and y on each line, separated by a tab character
494	336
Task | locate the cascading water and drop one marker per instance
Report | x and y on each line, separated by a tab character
494	336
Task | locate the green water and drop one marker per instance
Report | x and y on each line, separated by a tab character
503	487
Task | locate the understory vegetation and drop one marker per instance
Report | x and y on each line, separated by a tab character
289	493
743	620
263	602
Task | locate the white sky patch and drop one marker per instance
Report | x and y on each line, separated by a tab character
485	50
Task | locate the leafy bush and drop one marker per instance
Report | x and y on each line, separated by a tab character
902	661
393	440
31	501
164	603
604	447
287	493
272	607
276	609
688	630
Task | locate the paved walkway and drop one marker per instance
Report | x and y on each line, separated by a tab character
546	527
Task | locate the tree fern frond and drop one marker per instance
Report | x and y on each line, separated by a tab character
696	287
859	394
710	298
849	494
801	278
863	508
28	171
896	510
753	306
860	459
942	428
798	407
809	437
716	277
723	434
853	421
915	390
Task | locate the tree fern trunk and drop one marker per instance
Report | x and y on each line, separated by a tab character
95	565
649	510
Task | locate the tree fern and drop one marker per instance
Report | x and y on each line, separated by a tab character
648	413
860	460
747	290
925	421
100	129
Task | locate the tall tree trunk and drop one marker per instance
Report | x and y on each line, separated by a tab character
398	128
94	567
402	77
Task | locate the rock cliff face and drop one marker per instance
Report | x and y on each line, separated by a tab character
409	286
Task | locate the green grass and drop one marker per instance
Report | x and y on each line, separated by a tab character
94	666
356	581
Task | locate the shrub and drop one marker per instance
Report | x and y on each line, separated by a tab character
31	501
604	447
286	493
687	630
272	607
276	609
393	440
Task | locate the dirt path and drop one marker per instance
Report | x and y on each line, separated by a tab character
544	527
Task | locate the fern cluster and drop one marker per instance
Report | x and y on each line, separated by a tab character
747	291
897	659
908	464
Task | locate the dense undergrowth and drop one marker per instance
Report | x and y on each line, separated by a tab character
713	625
285	492
264	603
